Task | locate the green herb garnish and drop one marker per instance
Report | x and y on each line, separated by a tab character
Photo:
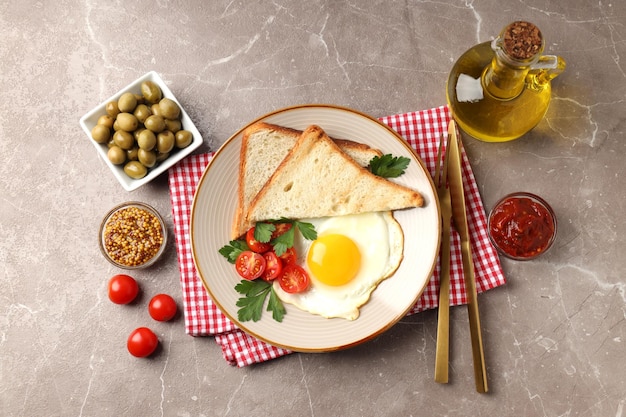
263	233
389	166
254	295
232	251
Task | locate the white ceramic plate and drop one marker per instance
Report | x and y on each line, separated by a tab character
213	210
89	120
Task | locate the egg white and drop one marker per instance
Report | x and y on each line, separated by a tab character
380	240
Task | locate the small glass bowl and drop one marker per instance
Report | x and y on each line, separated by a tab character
522	226
125	240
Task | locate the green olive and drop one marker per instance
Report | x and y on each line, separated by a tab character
137	132
106	120
142	112
100	133
140	99
156	109
123	139
165	141
111	143
127	102
112	109
146	140
116	155
155	123
147	158
132	153
173	125
151	92
169	108
162	156
183	138
135	170
116	125
127	122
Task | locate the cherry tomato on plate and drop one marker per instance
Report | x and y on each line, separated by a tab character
122	289
162	307
281	229
273	266
255	245
250	265
290	256
294	279
142	342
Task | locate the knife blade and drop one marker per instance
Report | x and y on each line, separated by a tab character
459	217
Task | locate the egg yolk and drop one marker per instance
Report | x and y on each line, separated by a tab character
334	259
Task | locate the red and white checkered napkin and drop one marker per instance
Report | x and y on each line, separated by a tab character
423	131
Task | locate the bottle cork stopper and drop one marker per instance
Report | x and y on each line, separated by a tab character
522	40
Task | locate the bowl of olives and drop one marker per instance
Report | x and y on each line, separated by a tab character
141	131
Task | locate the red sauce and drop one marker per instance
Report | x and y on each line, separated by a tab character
521	226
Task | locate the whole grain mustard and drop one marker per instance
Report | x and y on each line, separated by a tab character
132	236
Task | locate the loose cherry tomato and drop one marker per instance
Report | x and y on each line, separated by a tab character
281	229
273	266
250	265
290	256
122	289
294	279
162	307
142	342
254	244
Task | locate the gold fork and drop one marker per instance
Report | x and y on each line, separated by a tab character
443	319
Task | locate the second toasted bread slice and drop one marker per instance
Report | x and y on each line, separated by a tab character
317	179
263	148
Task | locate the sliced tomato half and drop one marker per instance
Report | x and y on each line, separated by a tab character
290	256
273	266
250	265
294	279
281	229
255	245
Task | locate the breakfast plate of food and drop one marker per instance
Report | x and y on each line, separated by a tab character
315	228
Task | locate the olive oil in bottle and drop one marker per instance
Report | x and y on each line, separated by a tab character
500	90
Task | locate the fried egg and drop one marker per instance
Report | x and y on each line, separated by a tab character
350	257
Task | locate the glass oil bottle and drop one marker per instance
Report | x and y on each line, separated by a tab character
498	91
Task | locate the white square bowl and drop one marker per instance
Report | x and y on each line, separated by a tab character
89	120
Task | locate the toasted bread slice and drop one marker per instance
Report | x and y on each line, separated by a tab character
317	179
263	148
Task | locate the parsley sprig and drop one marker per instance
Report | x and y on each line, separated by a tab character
389	166
263	233
233	249
254	295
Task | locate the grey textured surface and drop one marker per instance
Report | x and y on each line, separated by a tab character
554	335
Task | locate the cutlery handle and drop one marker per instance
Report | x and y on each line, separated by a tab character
478	353
443	318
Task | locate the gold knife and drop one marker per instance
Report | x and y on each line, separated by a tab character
459	216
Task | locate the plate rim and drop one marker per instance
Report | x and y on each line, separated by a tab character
245	328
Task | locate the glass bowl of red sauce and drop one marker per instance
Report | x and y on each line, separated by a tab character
522	226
